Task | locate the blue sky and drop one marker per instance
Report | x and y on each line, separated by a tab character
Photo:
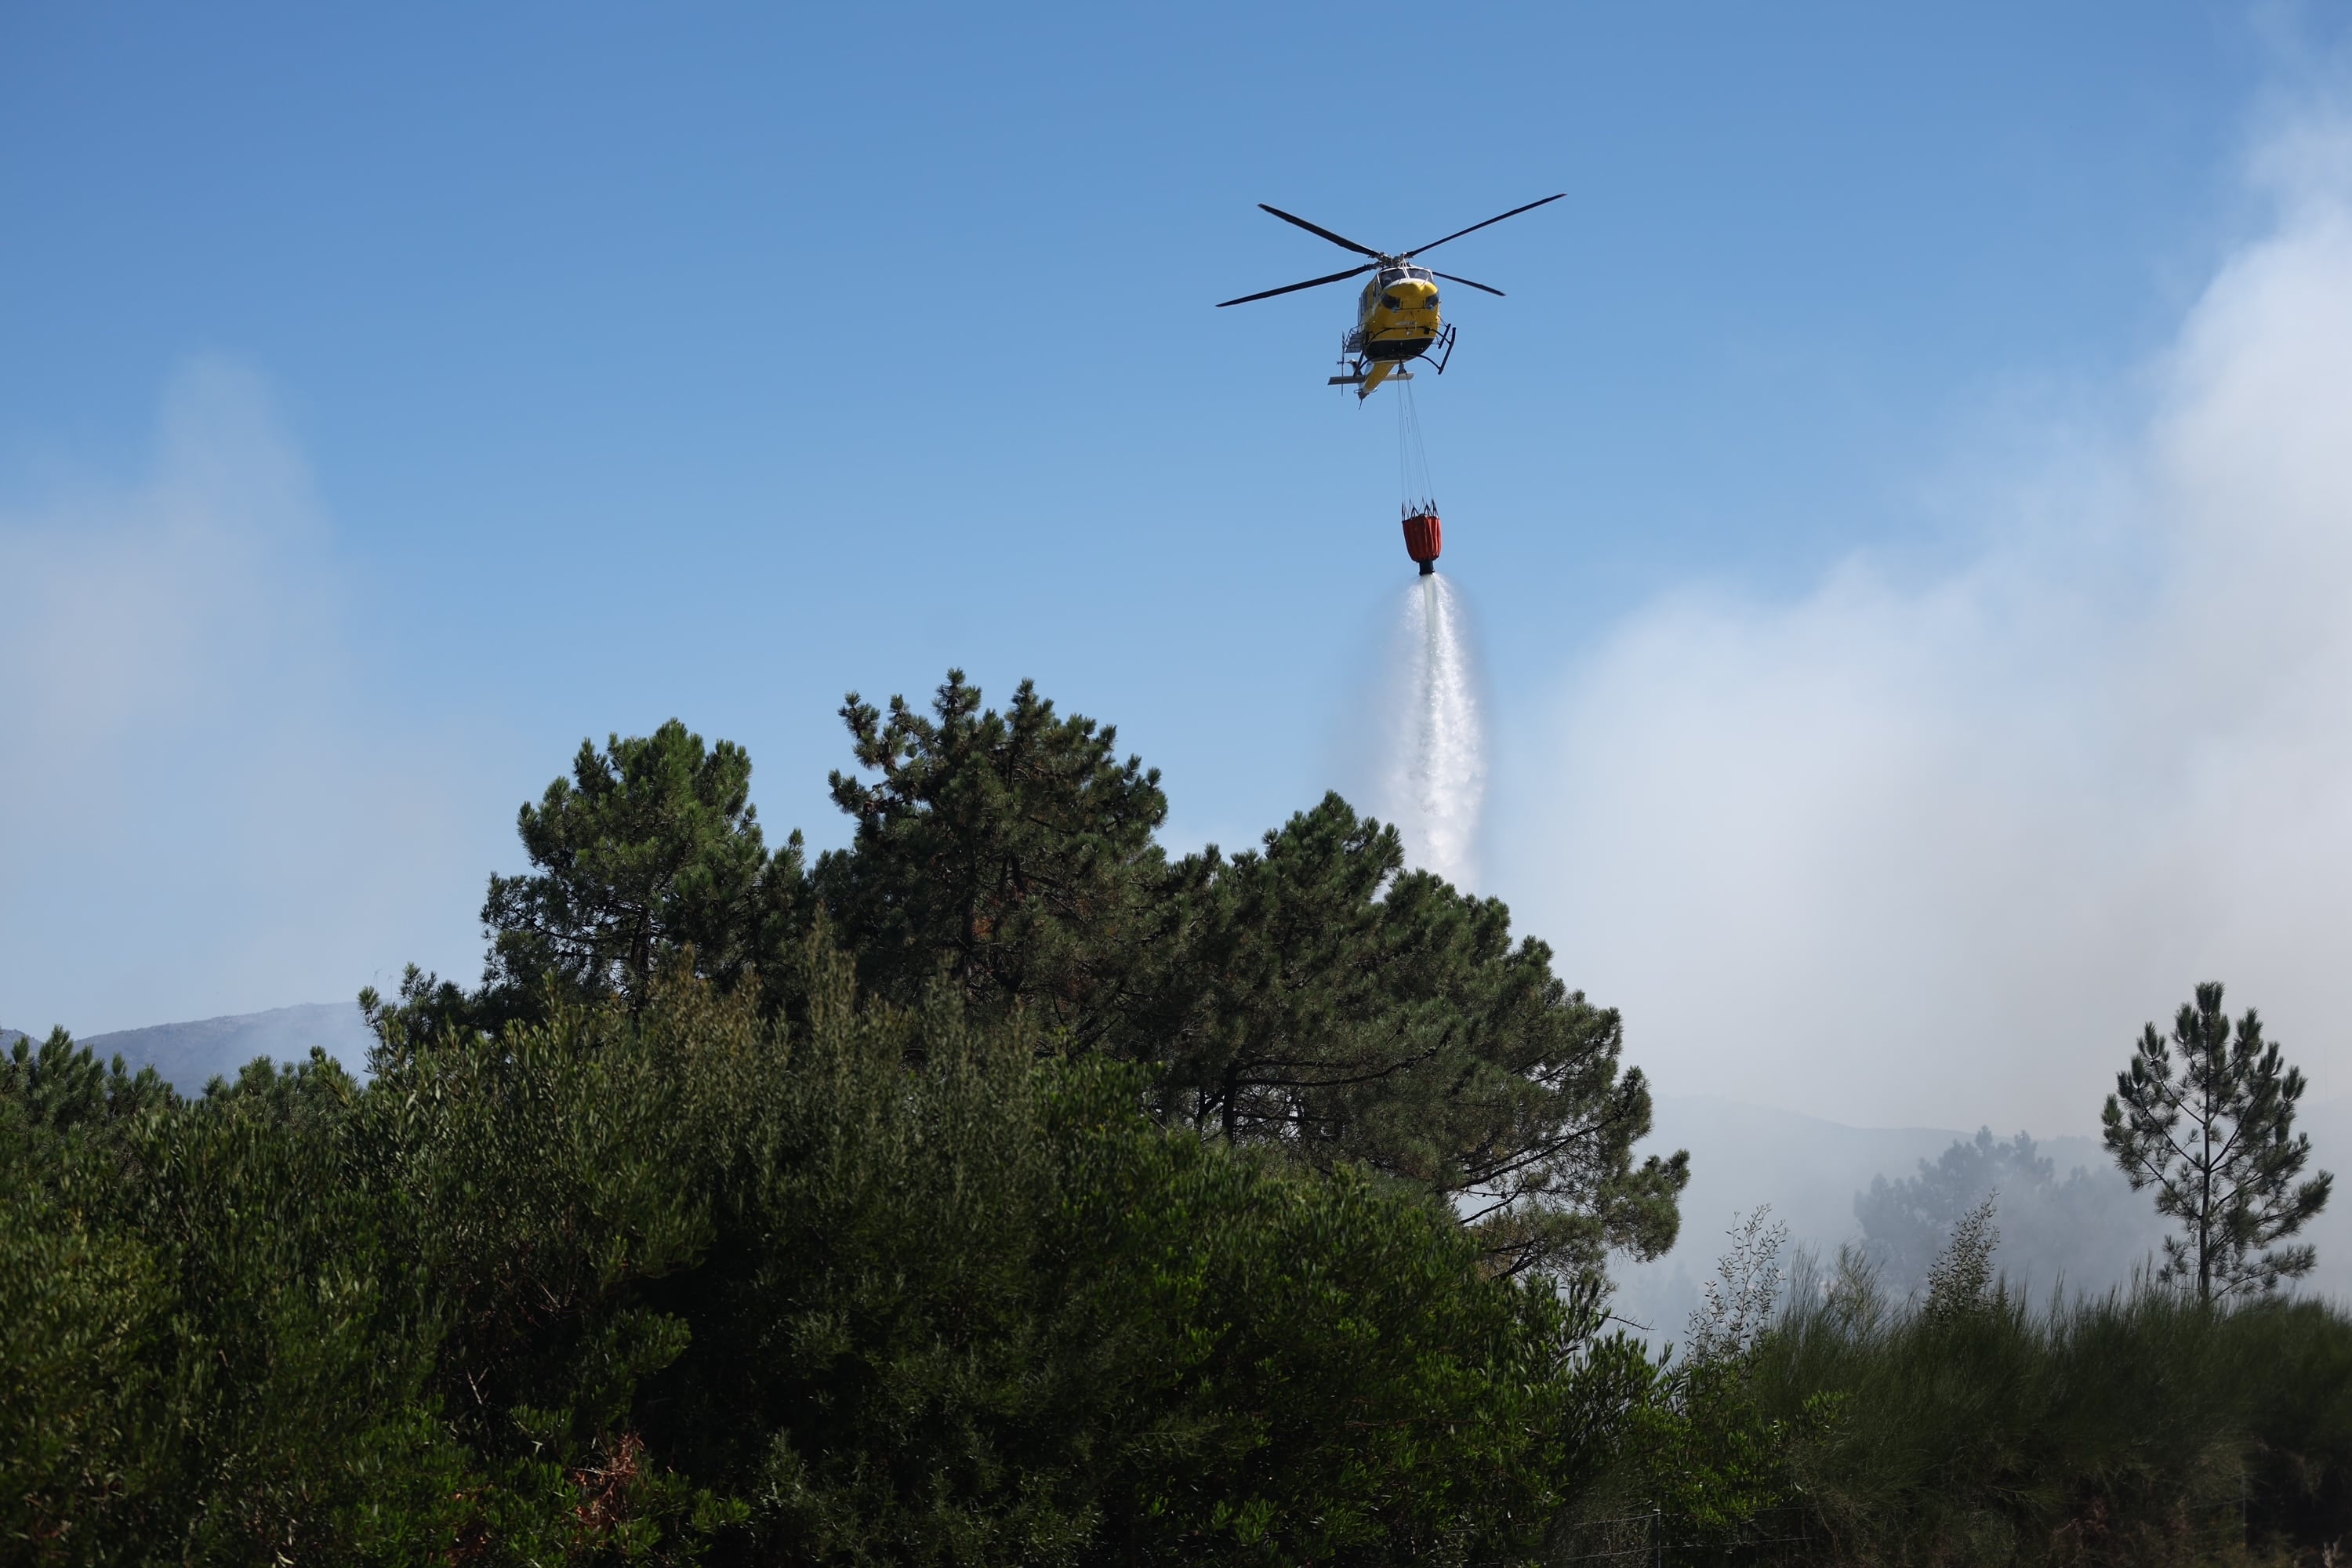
614	362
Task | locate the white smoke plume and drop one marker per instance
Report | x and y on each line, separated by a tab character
1433	781
1929	851
203	809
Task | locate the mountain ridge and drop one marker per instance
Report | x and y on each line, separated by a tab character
190	1054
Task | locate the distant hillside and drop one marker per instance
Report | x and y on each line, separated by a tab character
191	1055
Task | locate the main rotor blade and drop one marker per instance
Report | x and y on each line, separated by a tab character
1450	278
1341	240
1474	227
1295	288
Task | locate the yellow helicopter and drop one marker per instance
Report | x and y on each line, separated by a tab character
1397	319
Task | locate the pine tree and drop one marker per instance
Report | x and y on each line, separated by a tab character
63	1085
1008	854
1312	995
651	847
1329	1002
2219	1145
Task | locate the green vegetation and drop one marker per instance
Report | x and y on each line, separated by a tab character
1004	1189
2142	1427
1312	995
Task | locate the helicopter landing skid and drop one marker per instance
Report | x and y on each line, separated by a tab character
1444	347
1351	360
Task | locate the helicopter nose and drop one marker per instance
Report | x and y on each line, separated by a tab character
1414	291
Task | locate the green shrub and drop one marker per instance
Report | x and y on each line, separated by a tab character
2139	1426
674	1280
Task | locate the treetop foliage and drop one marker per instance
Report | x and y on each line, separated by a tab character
1313	995
62	1085
651	846
1332	1003
1011	854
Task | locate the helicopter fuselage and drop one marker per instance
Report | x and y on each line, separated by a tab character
1397	316
1396	321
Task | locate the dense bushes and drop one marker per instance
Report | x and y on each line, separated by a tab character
1815	1419
690	1283
2136	1428
211	1349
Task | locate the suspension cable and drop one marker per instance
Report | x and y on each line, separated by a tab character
1418	493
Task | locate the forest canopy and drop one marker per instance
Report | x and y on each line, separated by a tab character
999	1187
1313	996
1003	1187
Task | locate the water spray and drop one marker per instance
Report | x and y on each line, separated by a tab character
1438	768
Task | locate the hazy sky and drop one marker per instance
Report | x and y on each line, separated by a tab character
1904	498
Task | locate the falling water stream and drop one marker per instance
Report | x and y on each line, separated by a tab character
1436	781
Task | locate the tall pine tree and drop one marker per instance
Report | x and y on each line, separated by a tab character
2214	1134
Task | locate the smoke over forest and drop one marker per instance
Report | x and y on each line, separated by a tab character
1926	842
